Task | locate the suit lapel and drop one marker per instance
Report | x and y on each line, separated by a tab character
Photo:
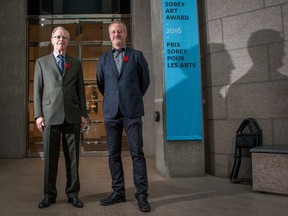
53	63
126	59
67	64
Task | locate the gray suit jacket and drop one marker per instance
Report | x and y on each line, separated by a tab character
124	90
57	98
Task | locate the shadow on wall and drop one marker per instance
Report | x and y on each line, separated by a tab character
261	91
247	82
266	49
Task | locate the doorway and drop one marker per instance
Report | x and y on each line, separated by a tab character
89	39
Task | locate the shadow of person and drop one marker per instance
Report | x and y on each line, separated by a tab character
217	70
266	49
220	67
263	91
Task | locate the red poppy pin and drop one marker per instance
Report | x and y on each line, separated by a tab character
67	66
126	58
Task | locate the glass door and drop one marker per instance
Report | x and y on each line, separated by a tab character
89	39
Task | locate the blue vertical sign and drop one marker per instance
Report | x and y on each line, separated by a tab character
183	98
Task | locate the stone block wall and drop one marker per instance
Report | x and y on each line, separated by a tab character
13	127
245	71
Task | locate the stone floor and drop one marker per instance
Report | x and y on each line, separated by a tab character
21	186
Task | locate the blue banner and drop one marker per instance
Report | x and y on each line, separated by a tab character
183	101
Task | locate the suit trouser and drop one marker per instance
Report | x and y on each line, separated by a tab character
133	130
70	134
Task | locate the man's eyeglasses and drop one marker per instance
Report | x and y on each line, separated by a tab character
59	37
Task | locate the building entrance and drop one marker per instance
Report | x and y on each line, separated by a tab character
89	39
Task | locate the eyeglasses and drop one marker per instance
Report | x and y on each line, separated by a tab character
59	37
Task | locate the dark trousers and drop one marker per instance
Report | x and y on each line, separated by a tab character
133	130
70	134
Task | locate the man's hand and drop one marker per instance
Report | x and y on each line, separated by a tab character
84	122
40	124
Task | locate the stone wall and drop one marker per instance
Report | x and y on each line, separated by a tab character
244	69
13	127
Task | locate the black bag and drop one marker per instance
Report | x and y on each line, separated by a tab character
248	135
246	140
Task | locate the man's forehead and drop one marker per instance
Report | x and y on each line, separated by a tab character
59	31
116	26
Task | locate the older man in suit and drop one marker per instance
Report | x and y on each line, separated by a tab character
123	78
60	112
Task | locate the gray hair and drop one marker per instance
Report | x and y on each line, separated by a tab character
118	22
62	29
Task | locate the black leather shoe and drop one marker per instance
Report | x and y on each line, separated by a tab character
143	204
113	199
46	203
76	202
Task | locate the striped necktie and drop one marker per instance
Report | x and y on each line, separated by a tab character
61	64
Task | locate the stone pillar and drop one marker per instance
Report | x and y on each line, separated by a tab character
173	158
13	89
142	41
